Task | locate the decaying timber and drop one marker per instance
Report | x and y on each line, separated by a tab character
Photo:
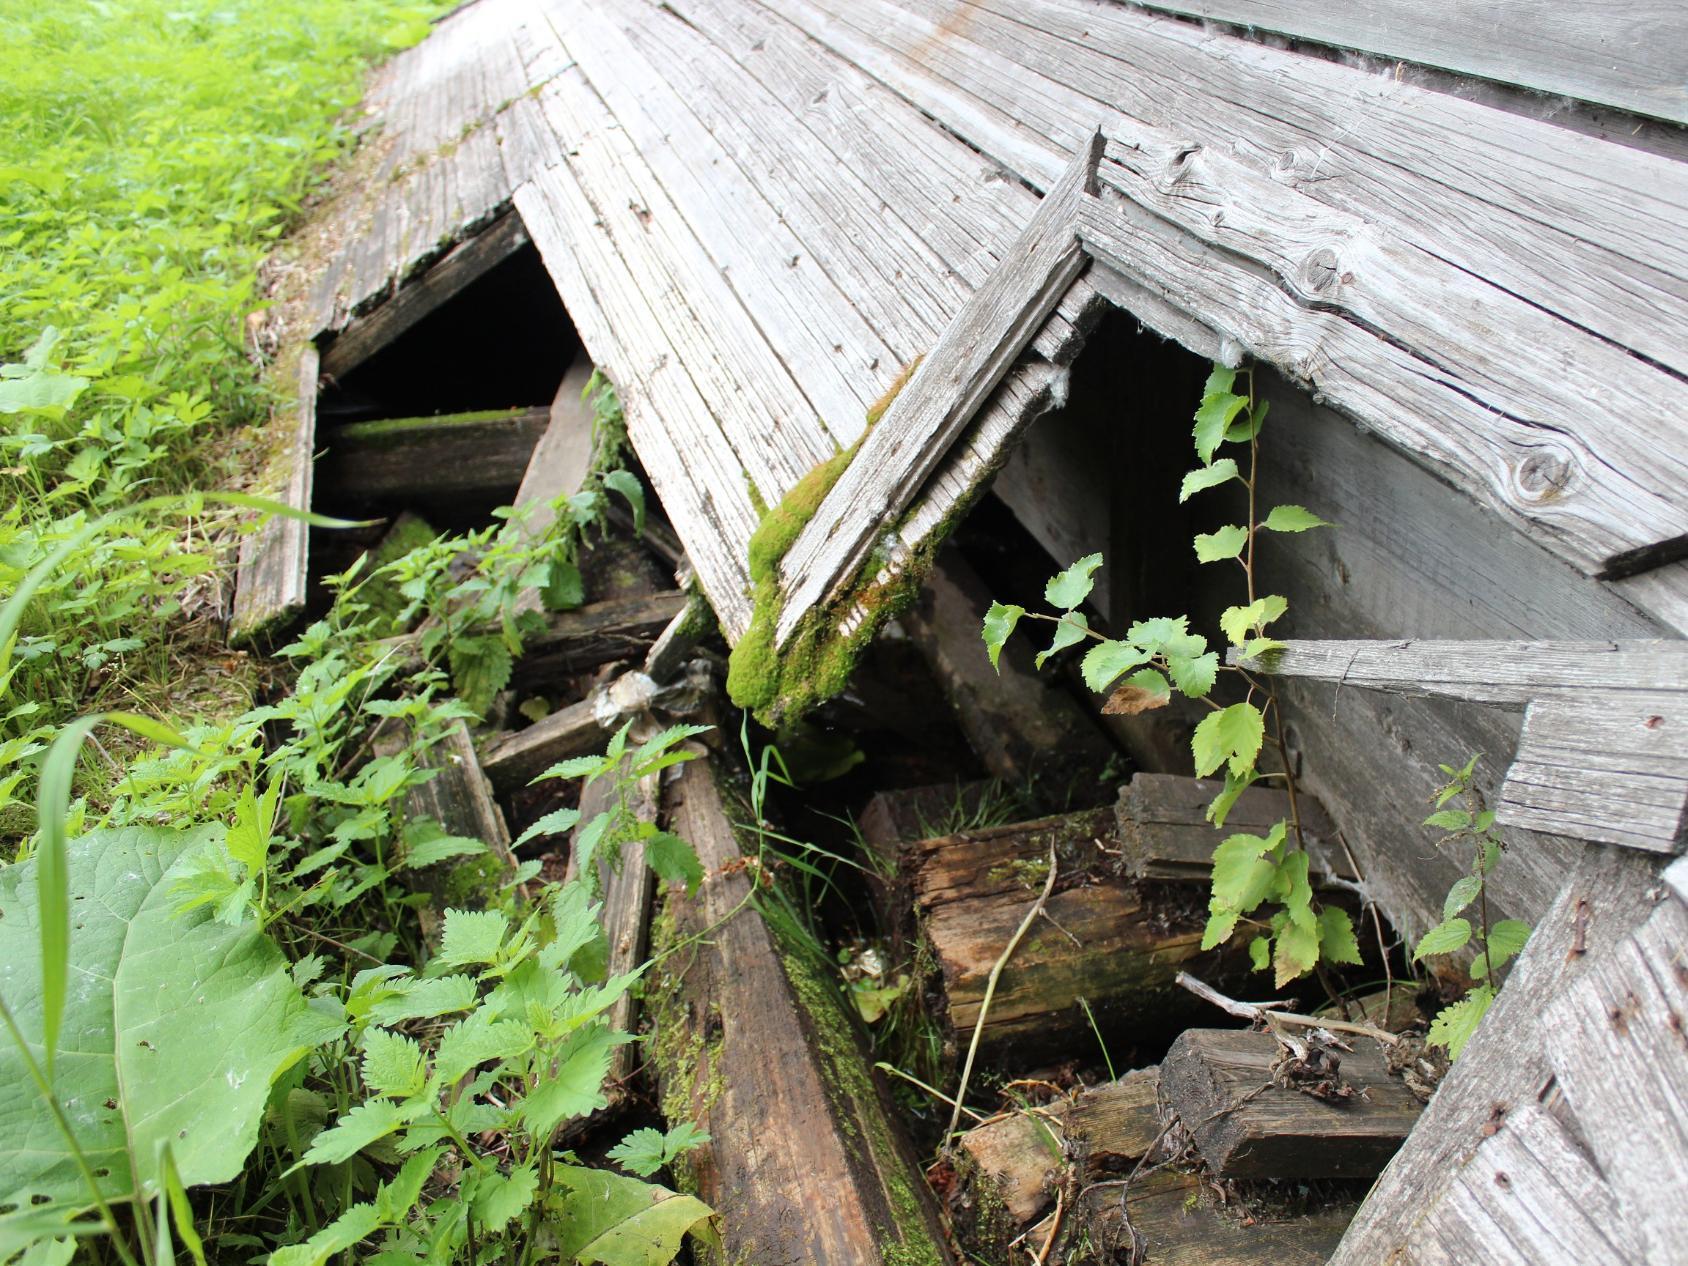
752	1042
274	571
1247	1121
1024	727
562	459
515	758
427	459
1164	833
1116	943
619	629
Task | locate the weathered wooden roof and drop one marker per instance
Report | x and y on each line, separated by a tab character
758	211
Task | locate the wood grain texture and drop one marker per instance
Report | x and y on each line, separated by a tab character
562	458
1621	1058
596	634
803	1163
971	357
1634	57
274	568
1504	1069
1113	942
419	459
1214	1078
365	335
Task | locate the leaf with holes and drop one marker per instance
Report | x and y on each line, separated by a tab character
149	1010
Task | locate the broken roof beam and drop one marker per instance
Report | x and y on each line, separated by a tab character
971	357
1604	750
274	568
469	261
455	455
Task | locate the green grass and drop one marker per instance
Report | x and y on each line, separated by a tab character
154	150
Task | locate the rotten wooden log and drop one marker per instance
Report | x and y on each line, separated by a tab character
274	570
425	459
366	335
753	1043
1024	727
1248	1123
594	635
562	458
1116	943
514	758
1019	1158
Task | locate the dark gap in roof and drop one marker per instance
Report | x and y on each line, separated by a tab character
503	341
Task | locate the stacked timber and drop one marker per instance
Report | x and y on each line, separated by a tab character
1125	914
751	1042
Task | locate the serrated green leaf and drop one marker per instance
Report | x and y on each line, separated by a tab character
1506	939
1221	922
1231	736
999	623
1449	820
1294	892
425	1000
673	861
1106	661
1235	784
426	844
1255	647
1238	622
1226	543
1454	1024
575	767
1292	519
1222	471
632	491
1337	942
471	936
553	823
1194	676
1295	950
1069	588
1462	894
1069	631
575	1089
1217	410
1248	425
1156	634
1260	952
480	668
392	1064
1444	938
1243	876
496	1197
366	1123
153	988
475	1040
641	1152
564	589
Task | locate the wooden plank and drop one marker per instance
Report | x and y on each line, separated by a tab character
1530	1195
596	634
803	1163
1611	767
513	759
409	459
365	335
1026	730
562	458
975	351
1622	1062
1577	482
274	568
1511	673
1221	1084
1163	831
1634	57
1505	1067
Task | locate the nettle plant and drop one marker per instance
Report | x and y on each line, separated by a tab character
1260	882
1469	822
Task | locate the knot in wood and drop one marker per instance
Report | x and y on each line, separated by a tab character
1544	476
1178	166
1321	271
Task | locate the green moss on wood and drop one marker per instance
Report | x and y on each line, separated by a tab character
395	430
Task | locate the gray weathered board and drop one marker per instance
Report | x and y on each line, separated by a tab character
274	567
1604	750
1632	55
756	211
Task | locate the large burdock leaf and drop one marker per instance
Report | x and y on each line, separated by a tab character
175	1025
606	1218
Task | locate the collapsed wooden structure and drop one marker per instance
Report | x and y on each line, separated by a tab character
1473	302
